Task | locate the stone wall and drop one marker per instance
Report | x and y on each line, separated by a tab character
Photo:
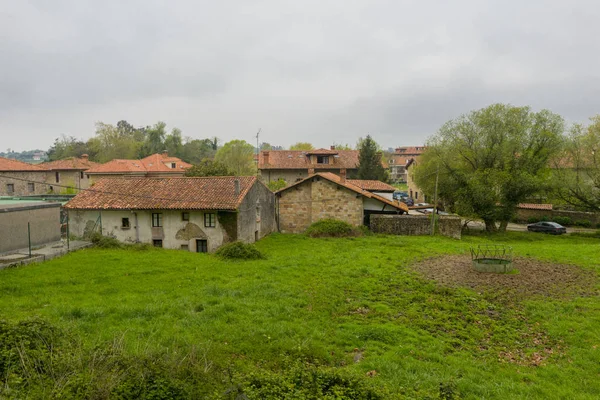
524	214
44	220
69	178
256	215
21	186
318	199
415	225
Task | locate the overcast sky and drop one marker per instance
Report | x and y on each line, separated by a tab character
321	71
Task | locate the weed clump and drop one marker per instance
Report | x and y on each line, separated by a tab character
333	228
105	242
240	251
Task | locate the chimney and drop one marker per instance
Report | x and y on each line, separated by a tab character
343	175
165	153
311	171
265	154
85	156
332	147
236	186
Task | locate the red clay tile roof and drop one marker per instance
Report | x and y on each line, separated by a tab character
372	185
413	151
296	159
71	163
153	163
206	193
9	165
530	206
322	152
336	179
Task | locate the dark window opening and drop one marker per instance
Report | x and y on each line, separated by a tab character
201	246
157	242
125	223
10	187
173	165
156	220
31	186
210	220
322	159
57	176
81	175
185	216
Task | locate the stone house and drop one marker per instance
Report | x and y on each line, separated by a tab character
68	174
399	159
414	191
194	214
18	178
326	195
155	165
295	165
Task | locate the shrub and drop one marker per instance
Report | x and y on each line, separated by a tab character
545	218
563	220
276	185
532	220
332	228
105	242
239	251
584	223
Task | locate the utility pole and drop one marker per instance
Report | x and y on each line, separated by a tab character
257	150
437	175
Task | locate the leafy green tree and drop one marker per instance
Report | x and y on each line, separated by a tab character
110	142
174	143
155	139
577	169
209	167
266	146
369	161
238	155
67	146
196	150
490	160
302	146
341	146
277	185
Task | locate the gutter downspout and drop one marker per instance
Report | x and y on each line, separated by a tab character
137	230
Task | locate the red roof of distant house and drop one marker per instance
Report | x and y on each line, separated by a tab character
205	193
10	165
372	185
71	163
153	163
323	151
297	159
531	206
338	180
414	151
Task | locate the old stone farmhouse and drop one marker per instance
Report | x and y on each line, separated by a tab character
155	165
18	178
69	174
293	166
194	214
326	195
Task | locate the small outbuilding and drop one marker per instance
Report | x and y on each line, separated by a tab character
326	195
26	223
194	214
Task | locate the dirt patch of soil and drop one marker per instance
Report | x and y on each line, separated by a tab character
534	277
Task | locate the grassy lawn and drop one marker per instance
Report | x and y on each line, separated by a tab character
345	310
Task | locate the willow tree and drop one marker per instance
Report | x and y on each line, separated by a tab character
490	160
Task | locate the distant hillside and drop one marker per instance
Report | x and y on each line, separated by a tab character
30	156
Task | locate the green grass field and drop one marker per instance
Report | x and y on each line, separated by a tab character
344	318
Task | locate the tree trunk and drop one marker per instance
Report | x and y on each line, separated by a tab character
503	225
490	225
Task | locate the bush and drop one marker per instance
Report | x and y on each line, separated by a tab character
332	228
239	251
584	223
565	221
532	220
276	185
105	242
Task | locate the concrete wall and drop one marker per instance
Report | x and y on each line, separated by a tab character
415	225
44	220
256	214
174	233
21	187
318	199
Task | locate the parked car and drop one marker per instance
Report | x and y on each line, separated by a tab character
400	195
547	227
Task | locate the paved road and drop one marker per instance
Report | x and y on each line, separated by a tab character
479	225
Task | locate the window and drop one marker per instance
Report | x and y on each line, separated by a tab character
391	161
210	220
31	186
81	175
156	220
322	159
125	223
201	246
185	216
10	187
417	195
157	242
185	247
57	176
173	165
